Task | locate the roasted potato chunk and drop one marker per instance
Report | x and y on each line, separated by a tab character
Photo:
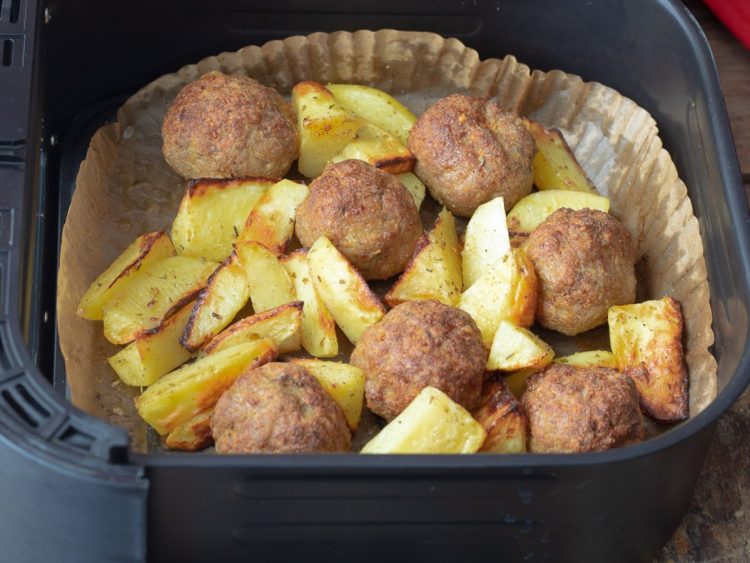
182	394
594	358
318	327
152	295
525	286
344	382
532	210
344	291
325	126
646	340
270	285
154	353
434	271
143	252
503	418
212	214
486	240
271	221
378	148
281	324
415	186
555	166
431	424
377	107
225	294
506	292
515	348
192	435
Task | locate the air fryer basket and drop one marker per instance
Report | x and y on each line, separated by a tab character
79	495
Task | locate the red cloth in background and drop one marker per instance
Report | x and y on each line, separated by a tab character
735	14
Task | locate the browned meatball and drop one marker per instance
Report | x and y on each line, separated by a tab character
224	126
573	409
470	151
366	213
420	343
278	408
585	263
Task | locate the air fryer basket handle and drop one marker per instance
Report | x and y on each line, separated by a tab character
27	408
55	462
64	473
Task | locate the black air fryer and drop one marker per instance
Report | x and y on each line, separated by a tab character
70	489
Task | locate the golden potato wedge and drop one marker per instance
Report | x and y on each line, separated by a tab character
225	294
145	250
182	394
506	292
646	340
192	435
486	240
152	295
431	424
318	327
515	348
271	221
344	291
532	210
415	186
517	380
344	382
376	106
378	148
270	285
281	324
594	358
525	286
325	126
502	417
555	166
434	271
154	353
488	299
212	214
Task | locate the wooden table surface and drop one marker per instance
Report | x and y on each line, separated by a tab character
717	526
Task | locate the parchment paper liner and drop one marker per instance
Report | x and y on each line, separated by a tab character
124	187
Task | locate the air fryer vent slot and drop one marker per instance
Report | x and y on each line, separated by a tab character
11	153
12	145
18	409
15	10
76	439
7	52
32	402
6	231
4	359
21	402
11	51
10	10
